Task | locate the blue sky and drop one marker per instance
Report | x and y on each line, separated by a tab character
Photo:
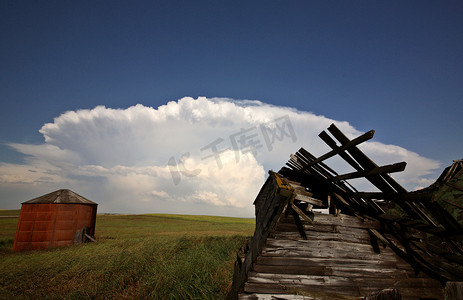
396	67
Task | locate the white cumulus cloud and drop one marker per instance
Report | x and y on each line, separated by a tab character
198	156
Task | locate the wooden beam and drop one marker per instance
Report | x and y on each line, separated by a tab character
298	223
374	242
332	143
423	213
373	195
349	207
383	182
364	137
364	161
314	169
308	199
453	203
311	157
417	196
321	171
397	167
443	217
379	236
301	213
90	238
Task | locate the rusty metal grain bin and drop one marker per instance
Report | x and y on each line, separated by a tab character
53	220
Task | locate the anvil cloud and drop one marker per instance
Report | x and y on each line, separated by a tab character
192	156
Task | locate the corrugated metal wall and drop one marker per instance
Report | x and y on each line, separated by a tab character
43	226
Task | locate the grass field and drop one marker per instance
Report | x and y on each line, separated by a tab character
136	256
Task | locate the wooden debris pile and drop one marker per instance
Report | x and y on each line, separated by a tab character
402	244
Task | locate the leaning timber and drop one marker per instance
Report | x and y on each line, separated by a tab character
317	237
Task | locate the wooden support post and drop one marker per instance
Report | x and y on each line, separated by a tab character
379	236
374	242
299	225
301	213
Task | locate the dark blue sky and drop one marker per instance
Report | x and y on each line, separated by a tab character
395	66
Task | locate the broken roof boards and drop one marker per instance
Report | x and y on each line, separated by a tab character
371	241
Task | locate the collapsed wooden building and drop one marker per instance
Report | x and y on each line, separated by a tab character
388	244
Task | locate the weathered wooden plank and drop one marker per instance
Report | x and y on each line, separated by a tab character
256	296
298	222
311	200
325	253
321	261
342	280
332	143
328	253
313	243
336	292
322	170
397	167
301	214
372	206
379	236
364	137
342	271
323	236
443	217
338	237
314	235
290	227
342	220
309	246
292	165
90	238
271	288
454	290
374	242
417	293
320	173
337	281
308	157
299	188
364	161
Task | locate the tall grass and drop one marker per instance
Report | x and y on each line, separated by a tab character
136	256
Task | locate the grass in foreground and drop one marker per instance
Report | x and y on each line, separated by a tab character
137	256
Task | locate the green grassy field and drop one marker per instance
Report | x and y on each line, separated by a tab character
136	256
